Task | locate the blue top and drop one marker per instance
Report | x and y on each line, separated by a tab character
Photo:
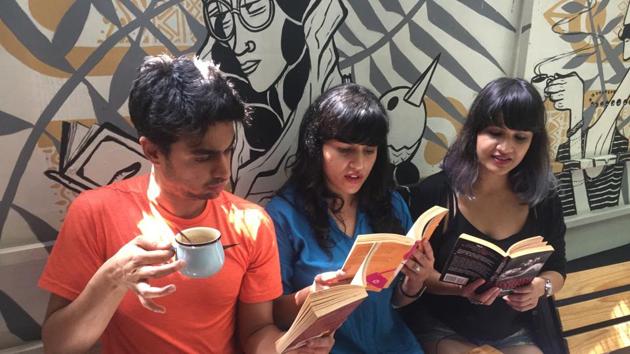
375	326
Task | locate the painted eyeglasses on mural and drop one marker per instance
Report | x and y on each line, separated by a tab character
255	15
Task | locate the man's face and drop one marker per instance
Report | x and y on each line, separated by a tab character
198	169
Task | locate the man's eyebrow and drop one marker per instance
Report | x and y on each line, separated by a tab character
204	151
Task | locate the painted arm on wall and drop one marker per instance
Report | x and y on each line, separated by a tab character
567	92
320	24
601	130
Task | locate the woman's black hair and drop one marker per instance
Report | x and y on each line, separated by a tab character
517	105
351	114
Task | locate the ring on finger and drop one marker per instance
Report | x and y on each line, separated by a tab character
416	268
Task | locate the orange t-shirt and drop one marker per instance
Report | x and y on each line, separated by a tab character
201	314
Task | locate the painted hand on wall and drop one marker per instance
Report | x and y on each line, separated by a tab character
567	92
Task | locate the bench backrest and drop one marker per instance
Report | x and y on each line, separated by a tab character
594	307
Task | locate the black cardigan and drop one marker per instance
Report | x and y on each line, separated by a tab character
498	320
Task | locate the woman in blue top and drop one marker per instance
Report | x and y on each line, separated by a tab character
341	187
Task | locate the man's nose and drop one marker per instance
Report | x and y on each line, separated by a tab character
222	168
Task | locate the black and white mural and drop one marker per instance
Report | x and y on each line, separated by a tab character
583	73
67	67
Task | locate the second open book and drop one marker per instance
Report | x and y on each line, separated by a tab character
372	264
376	259
473	258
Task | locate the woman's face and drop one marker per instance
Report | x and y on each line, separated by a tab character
259	51
253	30
500	149
347	166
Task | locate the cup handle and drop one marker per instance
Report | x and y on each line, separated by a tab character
230	246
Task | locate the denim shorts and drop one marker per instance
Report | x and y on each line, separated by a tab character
430	329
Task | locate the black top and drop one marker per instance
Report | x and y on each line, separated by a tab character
498	320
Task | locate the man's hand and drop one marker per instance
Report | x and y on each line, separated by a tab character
140	260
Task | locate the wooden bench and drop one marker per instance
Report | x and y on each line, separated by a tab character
594	308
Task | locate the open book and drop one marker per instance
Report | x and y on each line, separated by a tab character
376	259
85	156
372	264
322	313
473	258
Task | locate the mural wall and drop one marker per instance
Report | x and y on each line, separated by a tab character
66	68
582	69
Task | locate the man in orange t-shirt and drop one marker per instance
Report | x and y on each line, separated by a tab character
185	113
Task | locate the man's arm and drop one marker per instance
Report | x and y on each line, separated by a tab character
258	334
75	326
256	329
286	307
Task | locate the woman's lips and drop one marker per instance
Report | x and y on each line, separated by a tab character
501	160
354	178
250	66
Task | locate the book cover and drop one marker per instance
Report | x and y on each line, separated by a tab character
473	258
321	314
376	259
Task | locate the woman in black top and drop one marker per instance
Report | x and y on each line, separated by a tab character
498	185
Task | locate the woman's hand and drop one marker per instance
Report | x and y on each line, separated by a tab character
485	298
526	297
322	281
418	268
327	279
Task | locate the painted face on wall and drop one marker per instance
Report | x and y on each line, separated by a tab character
198	170
347	166
253	29
500	149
